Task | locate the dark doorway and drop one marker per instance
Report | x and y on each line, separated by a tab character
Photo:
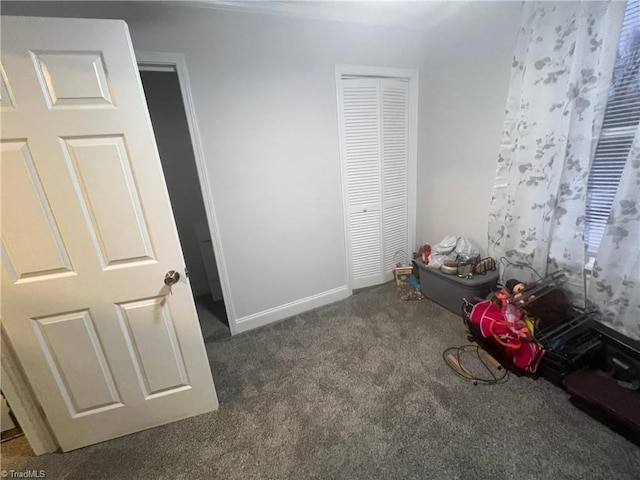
164	99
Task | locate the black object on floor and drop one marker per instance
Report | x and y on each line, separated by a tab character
570	345
617	406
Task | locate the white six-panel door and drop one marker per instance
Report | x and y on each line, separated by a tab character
88	235
374	139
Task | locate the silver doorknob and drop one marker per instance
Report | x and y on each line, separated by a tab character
171	278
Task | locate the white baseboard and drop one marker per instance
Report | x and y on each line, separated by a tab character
290	309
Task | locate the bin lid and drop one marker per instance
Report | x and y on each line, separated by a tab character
477	280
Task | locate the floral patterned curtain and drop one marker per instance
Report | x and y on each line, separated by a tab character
615	283
561	71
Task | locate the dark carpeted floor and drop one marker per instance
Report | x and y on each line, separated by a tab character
213	319
356	390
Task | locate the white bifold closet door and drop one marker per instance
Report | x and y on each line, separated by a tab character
374	130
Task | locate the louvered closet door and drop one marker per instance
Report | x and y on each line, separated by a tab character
395	94
362	162
374	139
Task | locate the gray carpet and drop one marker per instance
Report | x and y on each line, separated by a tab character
358	390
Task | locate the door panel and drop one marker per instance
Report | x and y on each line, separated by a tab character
19	238
361	142
66	340
365	247
107	192
395	234
394	140
395	185
88	235
361	153
72	79
150	331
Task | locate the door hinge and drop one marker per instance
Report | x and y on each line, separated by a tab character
186	272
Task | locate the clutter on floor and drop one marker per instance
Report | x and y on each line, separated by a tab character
535	327
409	292
407	282
454	251
450	290
531	329
453	270
457	358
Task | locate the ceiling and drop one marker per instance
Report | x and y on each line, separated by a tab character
417	15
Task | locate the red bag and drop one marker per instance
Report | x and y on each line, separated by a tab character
489	317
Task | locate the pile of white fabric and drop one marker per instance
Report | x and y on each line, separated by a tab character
453	247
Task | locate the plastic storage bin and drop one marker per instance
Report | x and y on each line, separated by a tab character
449	290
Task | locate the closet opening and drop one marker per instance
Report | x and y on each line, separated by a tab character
164	97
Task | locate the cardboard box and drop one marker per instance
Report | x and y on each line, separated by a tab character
401	274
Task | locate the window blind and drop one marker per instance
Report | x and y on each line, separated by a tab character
620	124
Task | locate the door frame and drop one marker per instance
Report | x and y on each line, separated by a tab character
175	62
23	402
413	78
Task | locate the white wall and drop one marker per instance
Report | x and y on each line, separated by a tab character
264	91
464	83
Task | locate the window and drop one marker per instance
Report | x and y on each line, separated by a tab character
621	120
